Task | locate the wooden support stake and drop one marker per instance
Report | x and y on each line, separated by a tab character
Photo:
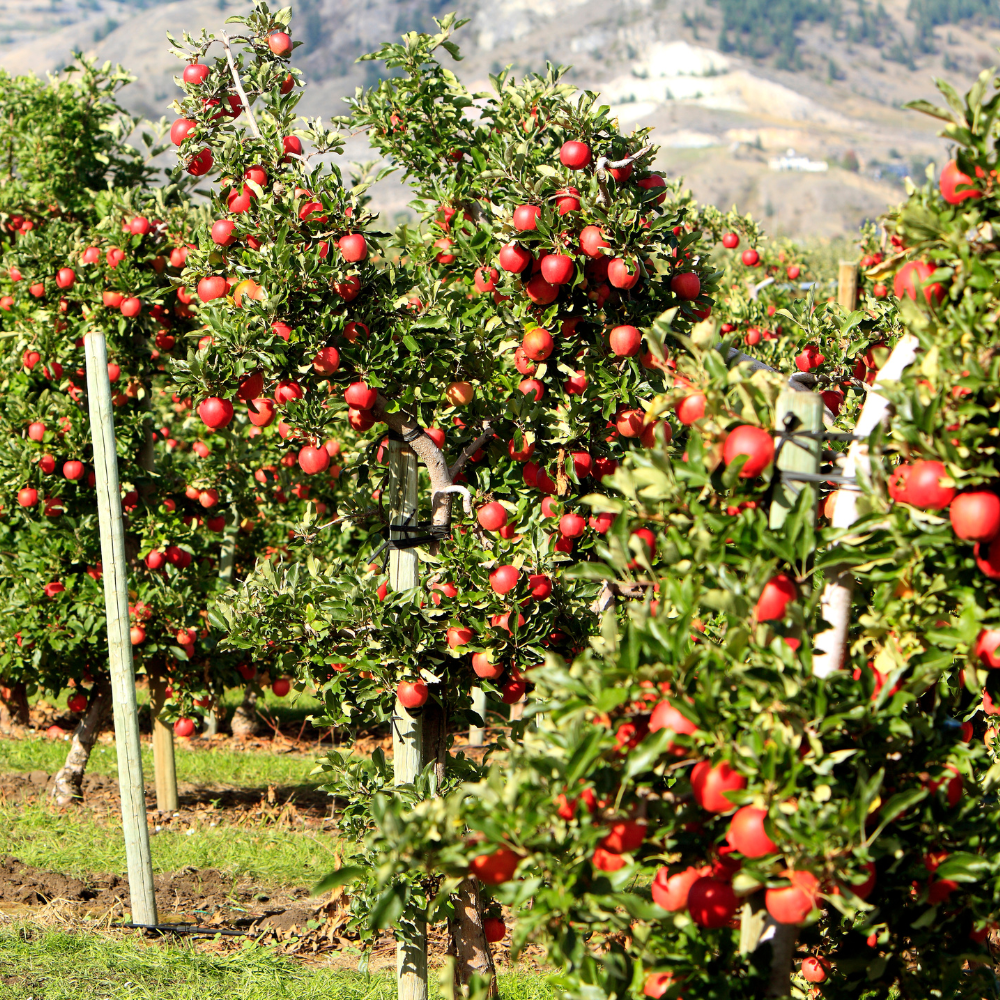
847	286
477	734
164	766
798	455
109	507
408	751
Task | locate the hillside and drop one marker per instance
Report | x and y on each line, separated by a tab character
729	84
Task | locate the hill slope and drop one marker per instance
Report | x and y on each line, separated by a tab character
729	85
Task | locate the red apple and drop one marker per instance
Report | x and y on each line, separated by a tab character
711	902
624	341
504	579
793	903
754	442
412	694
923	486
710	783
492	516
686	286
747	834
215	413
975	516
574	154
775	597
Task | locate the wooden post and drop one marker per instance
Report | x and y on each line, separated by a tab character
798	455
407	730
478	733
109	508
164	766
847	286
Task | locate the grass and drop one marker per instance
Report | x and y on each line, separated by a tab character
56	965
82	843
227	766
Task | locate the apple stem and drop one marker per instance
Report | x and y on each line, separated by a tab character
239	84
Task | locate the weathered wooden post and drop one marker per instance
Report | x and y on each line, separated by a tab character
109	509
407	730
164	765
796	411
477	734
847	286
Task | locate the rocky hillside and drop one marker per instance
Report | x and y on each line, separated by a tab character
731	85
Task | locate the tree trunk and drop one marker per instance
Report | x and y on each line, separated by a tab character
472	950
67	787
782	949
245	724
13	707
164	765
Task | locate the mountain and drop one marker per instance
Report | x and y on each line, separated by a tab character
734	88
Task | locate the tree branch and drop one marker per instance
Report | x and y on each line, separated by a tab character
428	452
239	84
470	450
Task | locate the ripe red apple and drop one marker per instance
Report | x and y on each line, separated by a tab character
592	241
526	218
750	257
686	286
36	430
754	442
671	891
483	665
540	291
956	186
532	387
195	74
211	288
912	277
77	703
360	420
184	727
653	183
222	232
485	279
923	486
131	307
73	469
353	247
313	460
137	634
494	929
730	241
574	154
747	834
215	412
181	129
571	525
495	868
288	390
292	146
265	412
155	559
628	423
985	647
711	902
412	694
458	636
793	903
567	200
815	968
200	164
691	408
666	716
775	597
624	836
557	268
27	496
624	341
504	579
53	588
975	516
492	516
358	395
514	258
279	43
709	783
623	273
65	277
537	344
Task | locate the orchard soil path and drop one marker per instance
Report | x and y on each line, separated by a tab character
308	928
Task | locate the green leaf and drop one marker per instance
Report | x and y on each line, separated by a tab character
349	873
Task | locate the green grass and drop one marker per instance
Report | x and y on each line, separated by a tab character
243	768
55	965
80	843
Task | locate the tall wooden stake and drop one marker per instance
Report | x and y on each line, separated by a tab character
109	507
407	730
164	765
477	734
797	455
847	286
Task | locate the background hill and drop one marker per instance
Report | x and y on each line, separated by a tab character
730	85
